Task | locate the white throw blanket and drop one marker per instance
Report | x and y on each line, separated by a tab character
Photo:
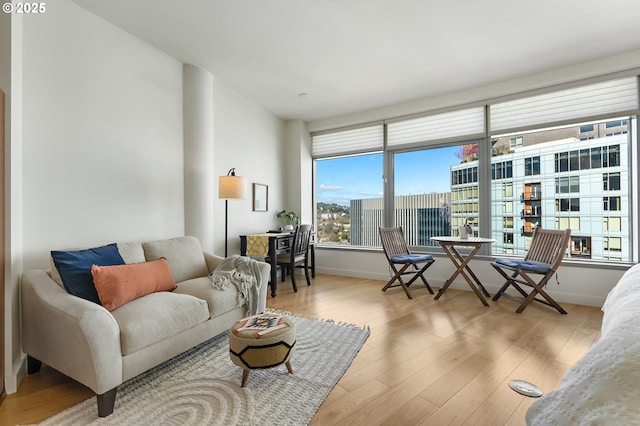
603	387
243	273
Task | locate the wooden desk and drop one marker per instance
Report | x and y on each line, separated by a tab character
461	262
278	243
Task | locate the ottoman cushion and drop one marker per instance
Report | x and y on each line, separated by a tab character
262	341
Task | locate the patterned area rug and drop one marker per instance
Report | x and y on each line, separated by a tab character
202	386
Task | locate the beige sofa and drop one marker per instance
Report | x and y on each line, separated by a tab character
103	349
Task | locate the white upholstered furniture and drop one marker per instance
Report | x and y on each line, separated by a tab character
603	388
102	349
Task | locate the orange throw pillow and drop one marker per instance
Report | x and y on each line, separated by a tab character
117	285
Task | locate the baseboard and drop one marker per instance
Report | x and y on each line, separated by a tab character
560	297
12	381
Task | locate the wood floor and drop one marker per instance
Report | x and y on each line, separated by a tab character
426	362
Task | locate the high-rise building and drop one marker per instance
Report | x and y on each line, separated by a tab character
573	178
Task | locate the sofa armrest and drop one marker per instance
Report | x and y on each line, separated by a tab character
265	275
76	337
213	261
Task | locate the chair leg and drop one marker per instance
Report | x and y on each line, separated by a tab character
538	288
306	272
293	278
508	282
420	273
398	276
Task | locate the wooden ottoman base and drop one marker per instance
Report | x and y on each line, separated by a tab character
260	342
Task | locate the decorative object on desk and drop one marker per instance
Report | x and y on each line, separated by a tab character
290	219
201	386
230	187
466	230
260	197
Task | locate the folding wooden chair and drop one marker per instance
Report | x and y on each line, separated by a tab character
398	255
543	258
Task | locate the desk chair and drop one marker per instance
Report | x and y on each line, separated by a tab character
298	256
542	260
398	255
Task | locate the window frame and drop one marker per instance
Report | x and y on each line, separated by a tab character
603	161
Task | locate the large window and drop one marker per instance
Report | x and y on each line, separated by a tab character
435	191
576	180
349	206
543	161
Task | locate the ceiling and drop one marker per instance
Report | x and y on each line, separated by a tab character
314	59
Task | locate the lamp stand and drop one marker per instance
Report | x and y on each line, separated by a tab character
226	239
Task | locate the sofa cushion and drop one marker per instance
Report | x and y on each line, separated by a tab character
130	252
219	301
74	268
184	255
156	317
117	285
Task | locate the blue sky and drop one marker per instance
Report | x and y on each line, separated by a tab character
419	172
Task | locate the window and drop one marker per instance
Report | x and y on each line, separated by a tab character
519	156
562	162
613	243
565	185
507	237
567	204
572	223
532	166
611	203
502	170
617	123
349	206
515	142
611	224
507	190
568	189
427	204
611	181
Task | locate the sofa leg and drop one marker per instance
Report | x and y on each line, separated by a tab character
33	365
106	402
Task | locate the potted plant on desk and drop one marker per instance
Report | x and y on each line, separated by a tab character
290	219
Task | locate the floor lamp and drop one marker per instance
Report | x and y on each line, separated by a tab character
230	187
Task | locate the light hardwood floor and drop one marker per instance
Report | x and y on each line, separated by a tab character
426	362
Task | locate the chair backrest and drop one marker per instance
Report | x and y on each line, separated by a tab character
301	241
393	241
548	246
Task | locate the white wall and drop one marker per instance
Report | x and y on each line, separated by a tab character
102	135
581	285
99	154
250	139
95	145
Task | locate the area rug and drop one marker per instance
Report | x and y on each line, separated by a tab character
202	386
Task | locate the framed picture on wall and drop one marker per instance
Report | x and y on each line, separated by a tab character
260	197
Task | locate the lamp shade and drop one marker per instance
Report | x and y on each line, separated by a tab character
232	187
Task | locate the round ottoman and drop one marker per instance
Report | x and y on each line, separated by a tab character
262	341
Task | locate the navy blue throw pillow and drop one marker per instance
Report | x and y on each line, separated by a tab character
74	268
